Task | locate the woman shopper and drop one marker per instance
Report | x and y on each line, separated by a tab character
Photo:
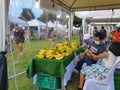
19	38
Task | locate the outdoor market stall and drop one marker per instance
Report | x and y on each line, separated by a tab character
61	68
38	24
71	5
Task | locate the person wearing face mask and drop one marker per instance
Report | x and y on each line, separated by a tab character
100	71
97	47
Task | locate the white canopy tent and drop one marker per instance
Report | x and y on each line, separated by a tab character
115	13
48	5
17	20
37	23
75	30
83	5
50	24
103	17
59	26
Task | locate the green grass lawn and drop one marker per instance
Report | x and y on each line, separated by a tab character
22	62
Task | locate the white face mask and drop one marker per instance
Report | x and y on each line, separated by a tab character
97	42
13	29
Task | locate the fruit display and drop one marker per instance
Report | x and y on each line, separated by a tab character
59	51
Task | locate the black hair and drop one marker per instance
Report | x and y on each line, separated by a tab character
100	35
95	27
102	27
118	29
115	48
16	25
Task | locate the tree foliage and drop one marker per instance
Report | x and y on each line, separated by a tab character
77	21
51	17
27	14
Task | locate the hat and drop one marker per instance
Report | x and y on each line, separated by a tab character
23	28
118	25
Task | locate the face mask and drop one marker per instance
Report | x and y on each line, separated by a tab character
97	42
13	29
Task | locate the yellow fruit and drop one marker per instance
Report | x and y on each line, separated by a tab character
59	56
58	45
66	54
60	49
40	56
67	43
49	56
74	46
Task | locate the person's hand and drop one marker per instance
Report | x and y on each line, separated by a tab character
89	54
83	54
81	57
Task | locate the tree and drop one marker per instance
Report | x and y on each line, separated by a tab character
77	21
51	17
27	14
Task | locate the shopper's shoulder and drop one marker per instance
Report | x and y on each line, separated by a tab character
102	30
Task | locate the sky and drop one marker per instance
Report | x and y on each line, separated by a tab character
16	7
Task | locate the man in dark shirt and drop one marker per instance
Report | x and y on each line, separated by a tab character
103	31
96	47
95	31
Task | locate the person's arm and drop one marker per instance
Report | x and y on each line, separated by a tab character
83	54
96	57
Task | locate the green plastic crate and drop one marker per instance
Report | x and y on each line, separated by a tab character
117	79
47	81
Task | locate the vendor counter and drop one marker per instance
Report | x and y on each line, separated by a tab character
61	68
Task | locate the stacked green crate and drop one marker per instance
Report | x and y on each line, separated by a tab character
117	79
47	81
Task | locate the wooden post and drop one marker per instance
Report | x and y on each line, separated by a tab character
46	25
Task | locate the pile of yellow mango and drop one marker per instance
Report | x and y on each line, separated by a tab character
59	51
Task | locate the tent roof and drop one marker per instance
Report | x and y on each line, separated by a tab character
76	5
101	16
110	20
16	20
104	14
36	22
50	24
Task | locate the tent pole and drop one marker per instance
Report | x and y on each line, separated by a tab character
83	27
46	25
71	25
3	23
28	29
39	31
